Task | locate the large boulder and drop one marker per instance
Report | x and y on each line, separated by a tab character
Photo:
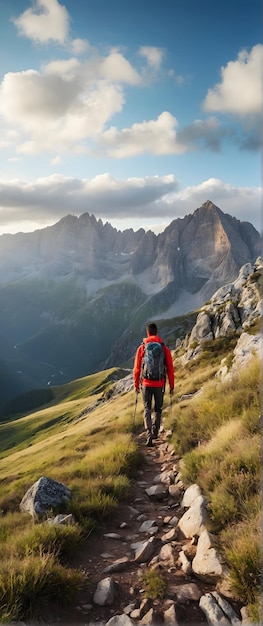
44	495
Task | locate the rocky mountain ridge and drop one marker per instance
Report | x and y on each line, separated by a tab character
233	309
207	242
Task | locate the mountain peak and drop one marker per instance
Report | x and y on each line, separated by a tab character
208	204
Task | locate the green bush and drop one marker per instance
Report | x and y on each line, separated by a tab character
242	549
92	507
155	585
60	540
25	584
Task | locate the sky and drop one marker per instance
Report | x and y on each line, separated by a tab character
135	111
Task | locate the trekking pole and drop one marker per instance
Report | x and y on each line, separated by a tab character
171	403
136	401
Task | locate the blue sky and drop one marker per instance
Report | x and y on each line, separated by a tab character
136	111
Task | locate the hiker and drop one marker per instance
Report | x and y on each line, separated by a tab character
152	362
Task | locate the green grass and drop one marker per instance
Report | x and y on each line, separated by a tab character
86	441
154	584
68	403
25	585
242	548
95	455
219	435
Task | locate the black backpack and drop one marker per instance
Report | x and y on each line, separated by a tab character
153	364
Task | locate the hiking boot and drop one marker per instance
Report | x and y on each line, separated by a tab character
155	432
149	442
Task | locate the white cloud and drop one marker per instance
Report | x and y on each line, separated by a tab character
240	89
56	161
47	20
117	69
149	200
48	199
161	136
58	111
67	103
66	68
153	136
29	97
79	46
71	191
154	56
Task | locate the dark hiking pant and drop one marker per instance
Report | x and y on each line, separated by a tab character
149	394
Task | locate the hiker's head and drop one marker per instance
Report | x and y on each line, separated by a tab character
151	329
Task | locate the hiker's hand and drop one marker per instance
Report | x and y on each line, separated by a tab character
171	392
137	390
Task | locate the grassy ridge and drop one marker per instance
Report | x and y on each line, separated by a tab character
94	455
85	440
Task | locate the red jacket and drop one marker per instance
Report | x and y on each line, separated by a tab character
138	366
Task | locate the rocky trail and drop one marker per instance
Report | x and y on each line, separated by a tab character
144	534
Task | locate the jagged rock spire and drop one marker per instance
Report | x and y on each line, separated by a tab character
208	204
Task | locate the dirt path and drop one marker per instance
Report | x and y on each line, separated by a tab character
100	551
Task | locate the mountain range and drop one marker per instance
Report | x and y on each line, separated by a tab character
75	297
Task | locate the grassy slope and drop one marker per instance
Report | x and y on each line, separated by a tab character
94	454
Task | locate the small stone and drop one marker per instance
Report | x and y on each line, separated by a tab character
130	607
113	536
166	552
156	492
145	527
117	566
106	555
145	552
105	592
189	591
170	616
170	535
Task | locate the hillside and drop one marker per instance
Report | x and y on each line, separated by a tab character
86	436
76	296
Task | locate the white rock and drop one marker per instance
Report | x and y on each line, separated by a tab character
214	614
118	566
105	592
185	563
43	495
144	553
189	591
227	608
190	494
206	563
156	492
145	527
166	553
169	616
193	521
